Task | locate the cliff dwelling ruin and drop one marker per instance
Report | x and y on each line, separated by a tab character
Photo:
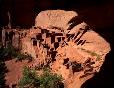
70	47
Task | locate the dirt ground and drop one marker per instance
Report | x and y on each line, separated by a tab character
14	71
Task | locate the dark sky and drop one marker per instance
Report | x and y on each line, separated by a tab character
23	12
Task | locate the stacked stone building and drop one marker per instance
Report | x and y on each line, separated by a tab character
58	38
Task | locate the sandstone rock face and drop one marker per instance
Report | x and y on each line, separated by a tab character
76	54
54	18
78	63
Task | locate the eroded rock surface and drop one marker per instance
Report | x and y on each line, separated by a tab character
81	53
72	50
54	18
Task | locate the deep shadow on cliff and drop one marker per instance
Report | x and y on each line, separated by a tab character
101	19
103	25
104	79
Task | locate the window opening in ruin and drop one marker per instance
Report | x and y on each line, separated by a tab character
65	61
59	39
47	35
46	46
36	55
41	40
67	35
58	34
51	49
45	30
56	45
53	54
67	65
32	38
13	85
35	27
52	39
76	67
39	36
34	43
63	38
42	31
53	32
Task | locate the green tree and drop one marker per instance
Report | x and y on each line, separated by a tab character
29	77
45	80
50	80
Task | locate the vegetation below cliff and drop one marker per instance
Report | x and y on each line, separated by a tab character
44	80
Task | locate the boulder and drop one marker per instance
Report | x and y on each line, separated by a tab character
79	55
54	18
